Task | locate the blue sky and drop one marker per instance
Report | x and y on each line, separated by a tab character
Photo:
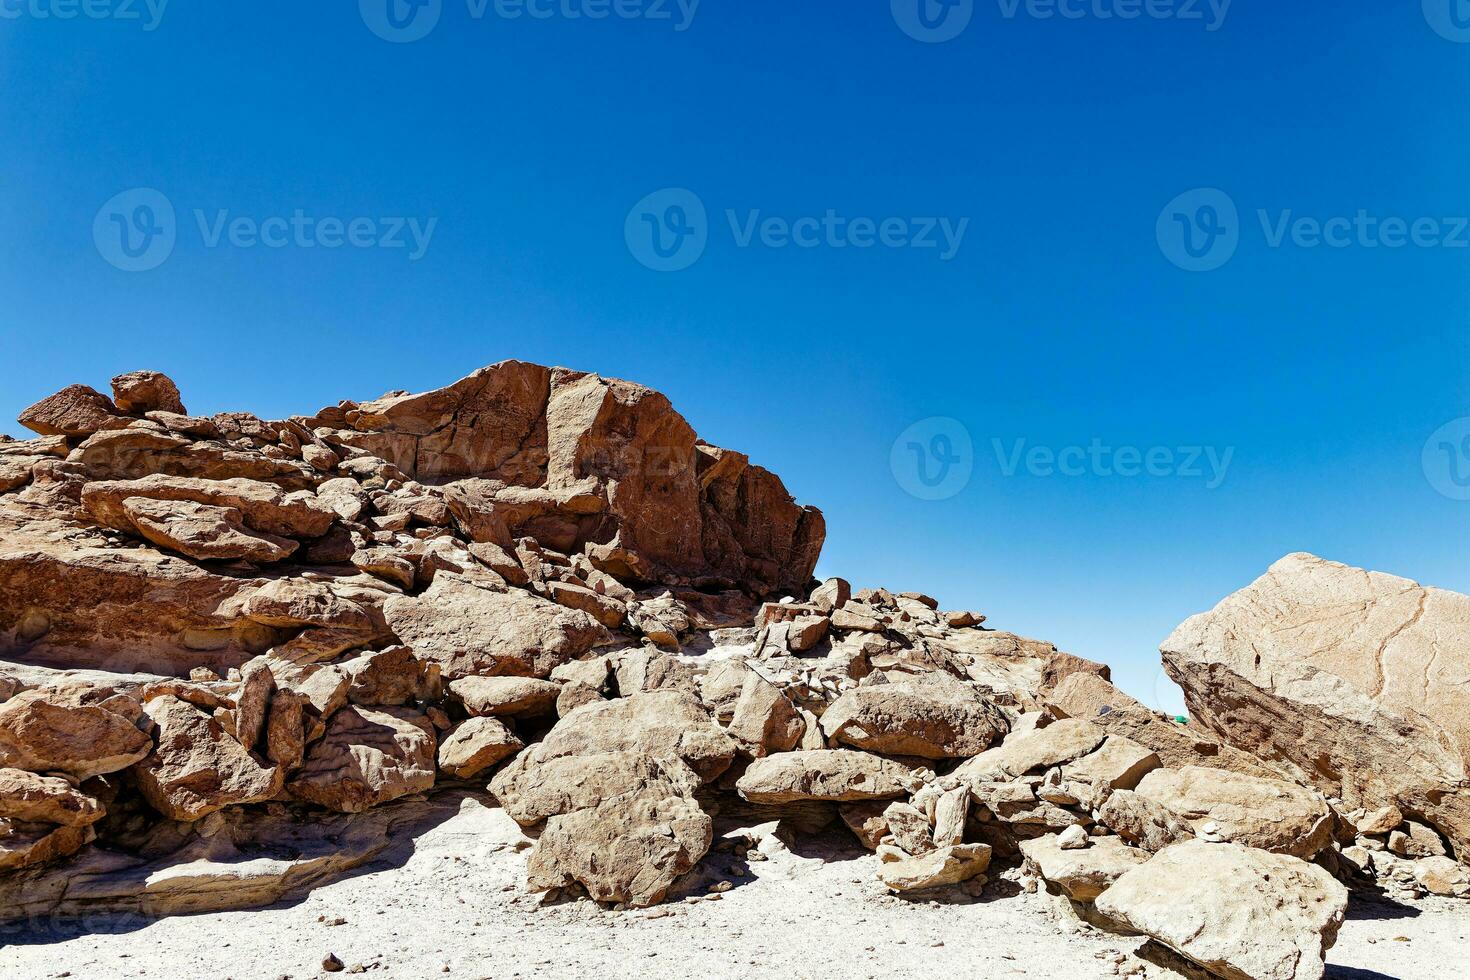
1066	156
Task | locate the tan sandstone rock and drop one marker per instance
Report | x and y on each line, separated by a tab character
1270	814
29	798
1281	917
935	869
1332	670
1082	874
475	745
765	720
468	630
932	716
838	775
507	697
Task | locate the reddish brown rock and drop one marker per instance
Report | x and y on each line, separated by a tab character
73	411
39	735
367	757
140	392
197	768
468	630
29	798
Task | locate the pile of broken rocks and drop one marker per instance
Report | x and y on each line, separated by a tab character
225	634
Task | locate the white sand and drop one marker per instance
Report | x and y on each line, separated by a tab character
455	906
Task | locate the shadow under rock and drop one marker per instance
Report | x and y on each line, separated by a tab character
1353	973
267	856
1370	906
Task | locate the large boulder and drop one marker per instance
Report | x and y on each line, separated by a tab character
475	745
140	392
667	725
262	506
932	716
1033	750
1270	814
23	844
629	848
41	735
532	792
834	775
903	872
196	767
29	798
1354	680
367	757
73	411
1082	873
468	629
1237	912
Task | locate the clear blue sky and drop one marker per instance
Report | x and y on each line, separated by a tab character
1059	320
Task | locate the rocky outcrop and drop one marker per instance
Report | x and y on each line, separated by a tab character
621	474
1330	671
271	631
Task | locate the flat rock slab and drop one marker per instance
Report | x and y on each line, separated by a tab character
838	775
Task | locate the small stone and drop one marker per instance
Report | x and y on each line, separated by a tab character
331	964
1074	838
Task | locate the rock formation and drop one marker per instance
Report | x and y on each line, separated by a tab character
1330	672
226	636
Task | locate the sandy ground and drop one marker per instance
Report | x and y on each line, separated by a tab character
452	903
